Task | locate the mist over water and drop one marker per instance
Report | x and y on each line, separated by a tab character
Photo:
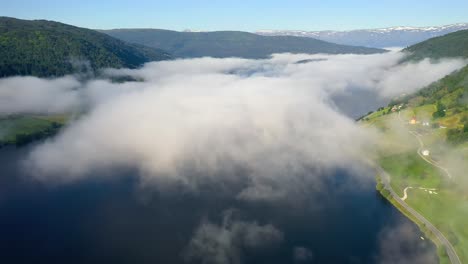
209	161
113	220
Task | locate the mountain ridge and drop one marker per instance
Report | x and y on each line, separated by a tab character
451	45
397	36
230	43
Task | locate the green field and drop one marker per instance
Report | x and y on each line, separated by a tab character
440	113
408	169
22	129
448	211
447	207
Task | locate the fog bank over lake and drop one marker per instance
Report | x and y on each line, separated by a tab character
210	161
114	220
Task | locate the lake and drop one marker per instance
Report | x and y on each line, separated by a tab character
112	220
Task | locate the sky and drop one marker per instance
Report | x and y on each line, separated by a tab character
241	15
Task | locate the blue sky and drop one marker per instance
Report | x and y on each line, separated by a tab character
241	15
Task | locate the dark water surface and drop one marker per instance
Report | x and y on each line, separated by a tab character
111	220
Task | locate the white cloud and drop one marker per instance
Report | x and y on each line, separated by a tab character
410	77
302	255
401	244
35	95
271	117
274	127
324	74
224	244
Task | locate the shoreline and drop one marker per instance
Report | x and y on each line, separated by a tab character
445	250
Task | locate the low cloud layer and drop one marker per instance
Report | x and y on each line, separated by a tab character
226	243
302	255
322	73
400	245
188	122
35	95
272	118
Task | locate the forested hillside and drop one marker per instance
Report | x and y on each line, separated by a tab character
449	99
230	43
46	48
447	46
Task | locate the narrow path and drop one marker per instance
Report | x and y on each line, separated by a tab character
421	146
405	195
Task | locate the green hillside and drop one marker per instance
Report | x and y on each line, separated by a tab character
46	48
448	98
229	43
424	145
447	46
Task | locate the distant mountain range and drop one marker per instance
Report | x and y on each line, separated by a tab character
47	48
223	44
379	38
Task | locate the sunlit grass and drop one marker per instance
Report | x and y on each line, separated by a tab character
14	129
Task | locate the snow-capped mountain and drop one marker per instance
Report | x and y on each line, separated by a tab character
378	38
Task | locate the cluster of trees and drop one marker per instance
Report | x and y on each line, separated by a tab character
458	135
440	112
363	117
381	188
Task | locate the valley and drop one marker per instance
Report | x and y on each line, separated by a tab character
127	138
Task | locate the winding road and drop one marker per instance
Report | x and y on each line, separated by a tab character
428	160
385	177
451	253
421	146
